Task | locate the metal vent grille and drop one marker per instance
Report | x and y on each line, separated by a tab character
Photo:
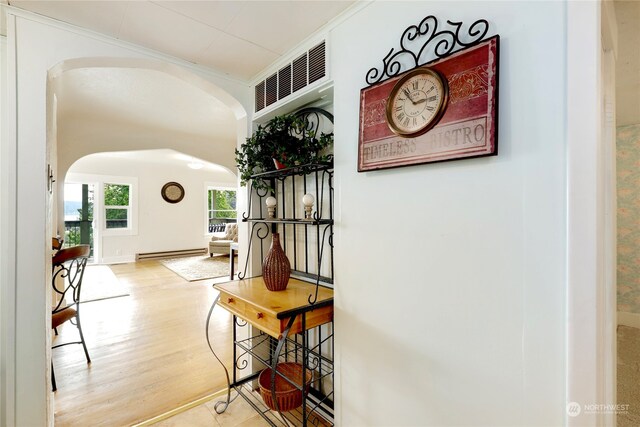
272	89
300	72
307	68
260	96
317	62
284	82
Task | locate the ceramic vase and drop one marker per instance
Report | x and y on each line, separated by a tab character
276	268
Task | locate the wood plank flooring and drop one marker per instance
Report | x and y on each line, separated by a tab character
148	350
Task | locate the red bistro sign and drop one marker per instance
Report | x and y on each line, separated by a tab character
467	129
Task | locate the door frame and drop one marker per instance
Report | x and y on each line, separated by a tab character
590	355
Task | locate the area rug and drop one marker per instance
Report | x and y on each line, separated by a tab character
100	283
199	267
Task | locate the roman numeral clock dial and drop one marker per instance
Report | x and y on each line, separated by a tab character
417	102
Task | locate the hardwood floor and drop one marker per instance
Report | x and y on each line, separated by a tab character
148	350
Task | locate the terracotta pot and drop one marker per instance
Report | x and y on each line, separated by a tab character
279	165
276	268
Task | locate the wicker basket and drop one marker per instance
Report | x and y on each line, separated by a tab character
288	396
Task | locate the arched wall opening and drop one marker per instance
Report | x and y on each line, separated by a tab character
37	49
149	224
102	105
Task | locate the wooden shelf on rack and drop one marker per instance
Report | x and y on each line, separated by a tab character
270	311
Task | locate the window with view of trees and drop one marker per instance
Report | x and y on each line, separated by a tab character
221	207
116	205
78	214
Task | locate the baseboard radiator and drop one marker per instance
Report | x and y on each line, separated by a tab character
170	254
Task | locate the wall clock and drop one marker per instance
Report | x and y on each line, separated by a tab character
172	192
417	102
463	123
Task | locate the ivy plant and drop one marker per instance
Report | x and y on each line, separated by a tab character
284	138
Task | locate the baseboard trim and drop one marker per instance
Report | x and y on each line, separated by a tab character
181	409
629	319
170	254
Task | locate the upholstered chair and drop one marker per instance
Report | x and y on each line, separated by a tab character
221	242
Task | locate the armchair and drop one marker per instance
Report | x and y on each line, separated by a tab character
220	242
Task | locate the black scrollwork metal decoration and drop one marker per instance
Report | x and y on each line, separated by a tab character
417	40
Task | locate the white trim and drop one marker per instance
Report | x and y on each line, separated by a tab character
629	319
121	43
8	211
586	311
310	94
27	261
213	186
132	209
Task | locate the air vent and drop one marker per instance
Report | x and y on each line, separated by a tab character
260	96
284	77
307	68
300	73
317	63
272	89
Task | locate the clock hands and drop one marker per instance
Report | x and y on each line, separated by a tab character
406	92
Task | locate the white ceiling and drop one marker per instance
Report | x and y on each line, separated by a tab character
129	108
119	109
239	38
131	96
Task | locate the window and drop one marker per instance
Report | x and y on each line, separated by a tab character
78	214
117	206
221	208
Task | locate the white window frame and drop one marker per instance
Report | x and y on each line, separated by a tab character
132	211
99	215
213	186
125	207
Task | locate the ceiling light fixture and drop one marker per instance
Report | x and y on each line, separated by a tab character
194	164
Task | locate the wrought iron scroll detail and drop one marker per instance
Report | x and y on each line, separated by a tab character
417	40
313	119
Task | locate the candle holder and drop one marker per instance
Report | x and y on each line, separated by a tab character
271	206
308	200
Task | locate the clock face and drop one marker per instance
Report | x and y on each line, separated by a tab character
417	102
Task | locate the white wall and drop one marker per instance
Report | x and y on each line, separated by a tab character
161	226
451	278
5	315
457	316
35	46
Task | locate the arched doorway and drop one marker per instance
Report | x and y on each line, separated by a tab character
121	109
